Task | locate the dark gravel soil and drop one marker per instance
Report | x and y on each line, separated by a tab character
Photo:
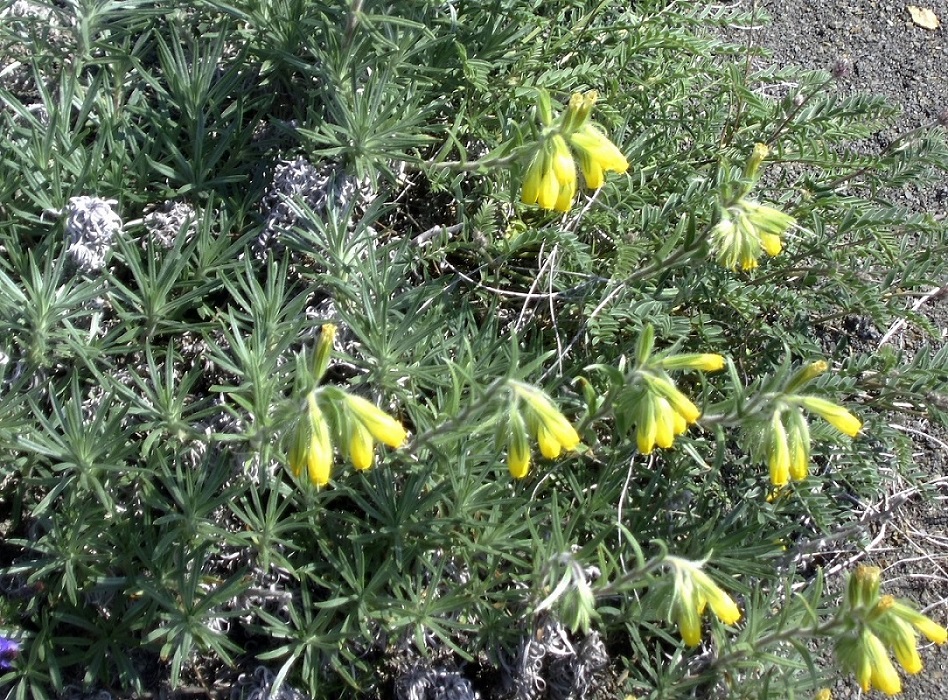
886	53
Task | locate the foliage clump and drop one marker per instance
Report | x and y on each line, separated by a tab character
242	238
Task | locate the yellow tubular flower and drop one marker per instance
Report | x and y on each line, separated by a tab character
380	425
564	167
706	362
693	591
543	412
722	605
681	403
361	446
518	451
932	631
688	620
901	637
531	181
778	457
597	154
883	674
771	244
646	427
319	452
798	436
549	445
765	219
549	189
837	416
664	422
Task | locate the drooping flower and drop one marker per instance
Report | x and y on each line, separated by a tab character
930	629
380	425
367	423
747	228
877	622
532	412
662	413
778	457
692	591
597	155
312	446
550	180
798	439
518	449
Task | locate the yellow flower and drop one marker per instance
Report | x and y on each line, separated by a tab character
564	167
361	446
681	403
553	431
597	154
932	631
518	451
551	177
766	219
823	694
550	447
693	590
312	446
798	437
771	244
745	230
900	636
379	424
646	423
706	362
882	673
837	416
662	413
778	457
531	181
319	454
734	242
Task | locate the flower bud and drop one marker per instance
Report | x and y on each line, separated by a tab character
805	375
323	352
760	152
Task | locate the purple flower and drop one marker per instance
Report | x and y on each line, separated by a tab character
8	651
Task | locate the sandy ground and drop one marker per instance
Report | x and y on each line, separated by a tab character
887	53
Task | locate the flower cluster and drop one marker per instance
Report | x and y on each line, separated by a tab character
787	435
659	409
532	412
334	416
550	180
746	228
875	625
692	591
